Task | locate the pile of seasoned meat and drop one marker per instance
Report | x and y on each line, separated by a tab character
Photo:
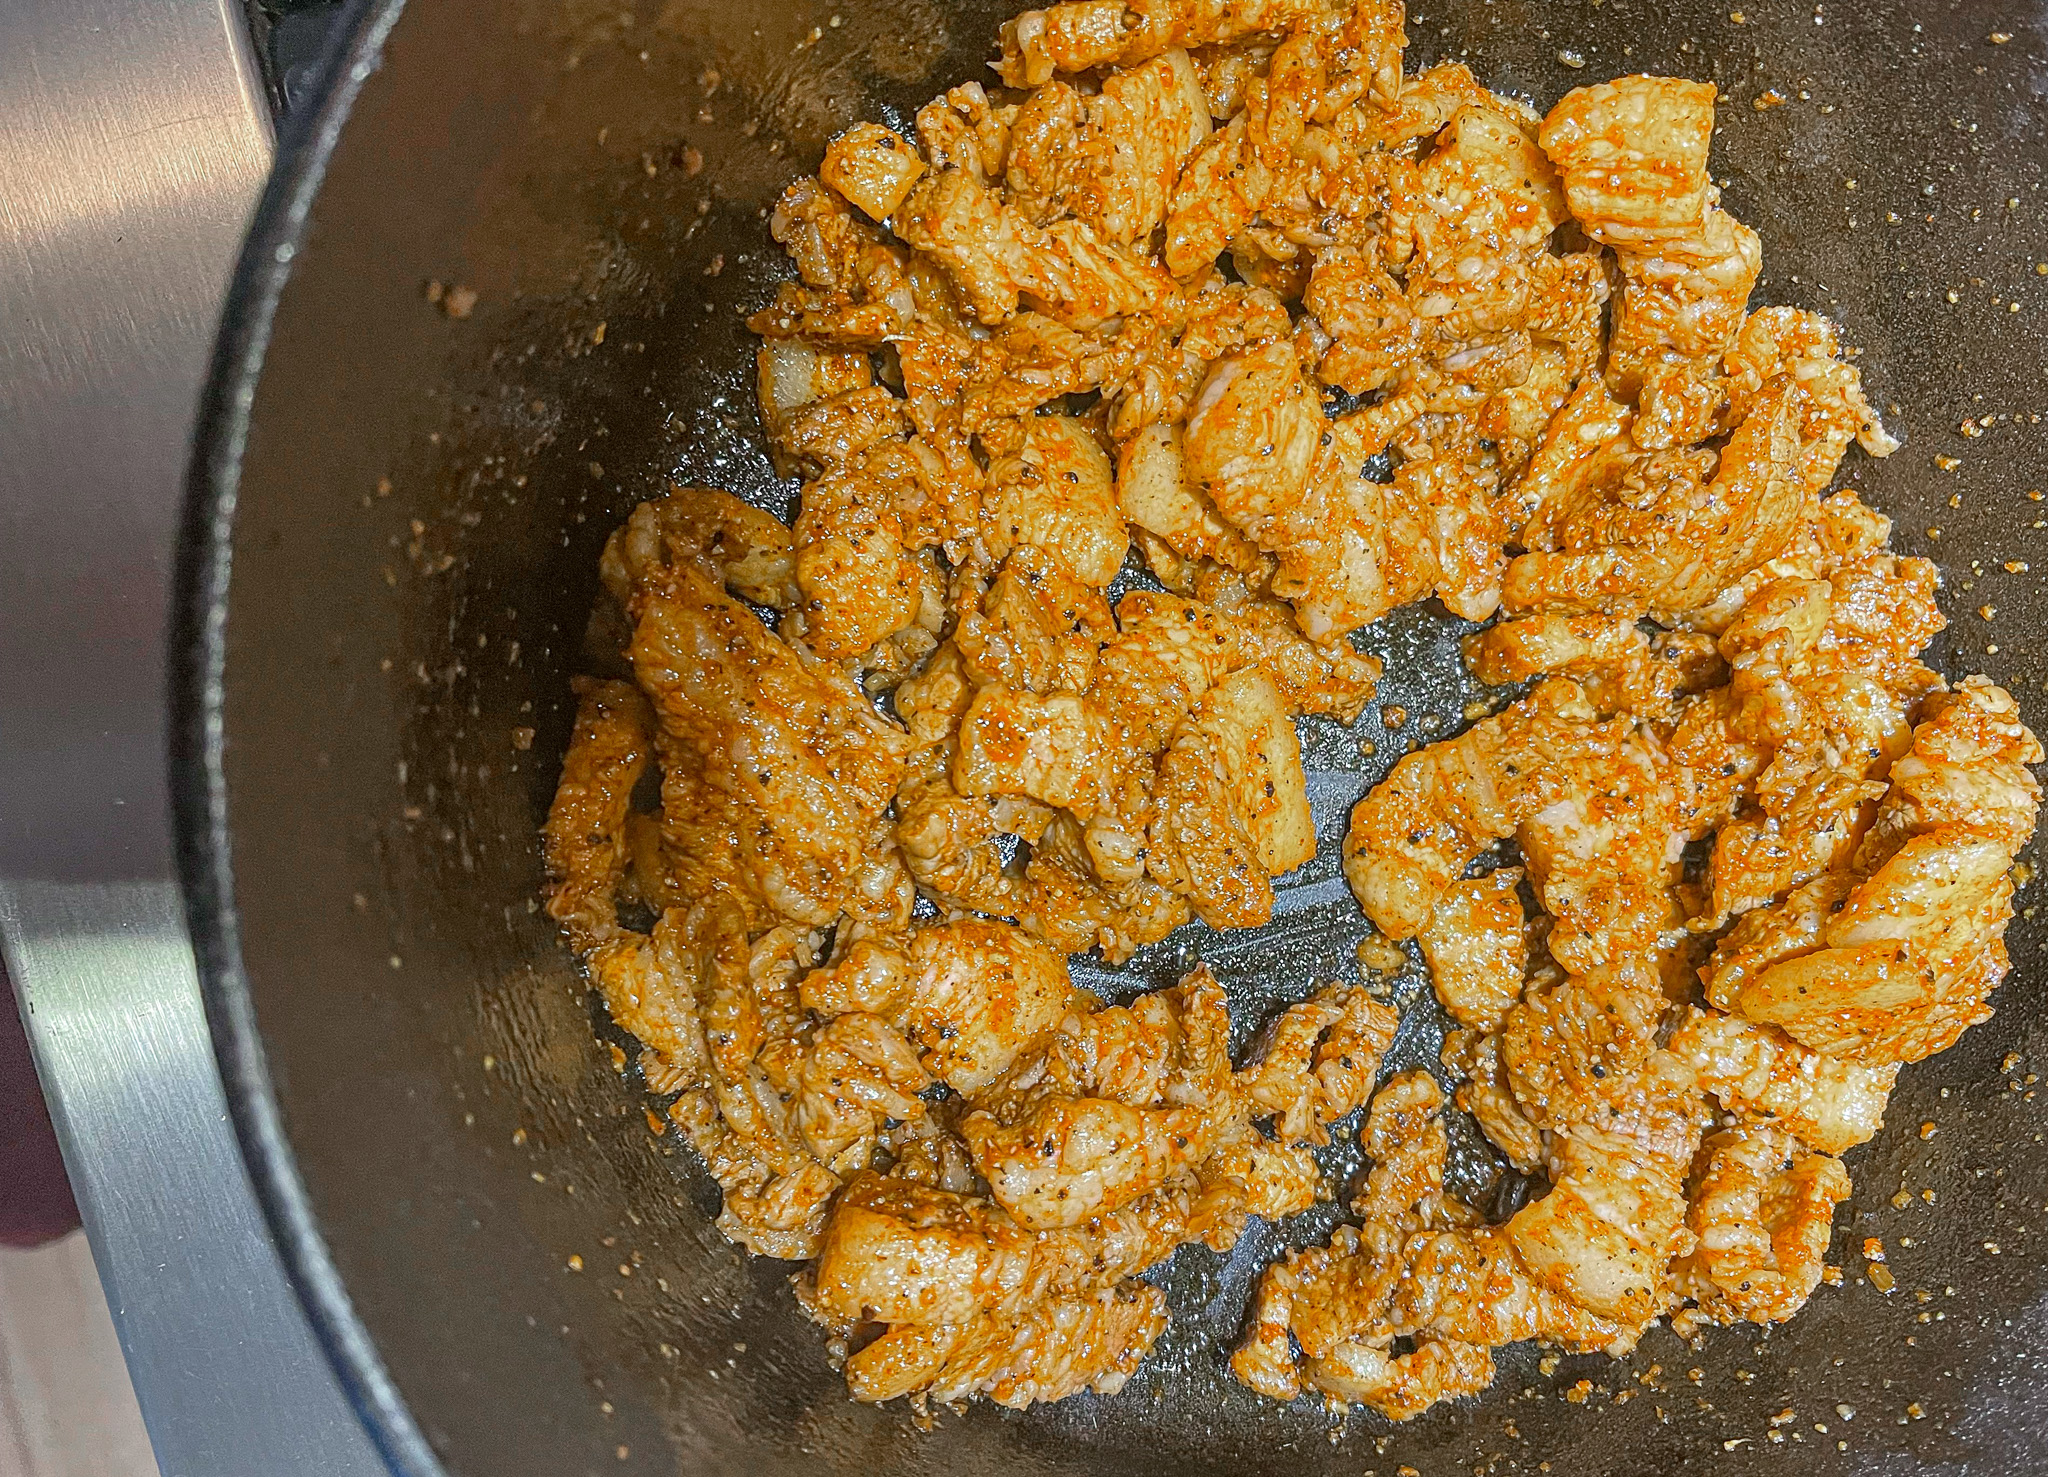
1221	287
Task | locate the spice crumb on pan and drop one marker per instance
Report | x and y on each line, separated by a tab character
853	794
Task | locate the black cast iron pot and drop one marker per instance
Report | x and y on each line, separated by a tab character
392	552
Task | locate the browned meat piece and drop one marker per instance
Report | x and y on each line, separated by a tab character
1605	1235
1777	341
792	377
1069	904
1891	960
1080	35
1045	747
1633	154
727	1032
1762	1073
786	753
1058	1152
1670	537
1232	807
1763	1212
1476	217
1155	492
1485	1092
1678	314
1069	1160
740	547
855	288
1620	667
1036	628
858	582
1402	1386
961	129
1263	155
770	1213
1318	1062
1057	493
980	994
873	167
857	1074
960	223
910	1255
1415	834
1477	948
1058	1348
972	993
995	257
1333	678
1109	159
901	1253
1293	483
585	832
1824	674
1604	854
1247	1174
1414	1269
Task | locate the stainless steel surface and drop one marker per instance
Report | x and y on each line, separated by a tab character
225	1367
133	142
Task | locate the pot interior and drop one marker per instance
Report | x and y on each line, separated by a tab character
414	545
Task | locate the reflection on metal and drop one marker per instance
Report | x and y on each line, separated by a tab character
133	140
230	1381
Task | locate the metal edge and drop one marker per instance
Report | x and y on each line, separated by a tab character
196	661
249	69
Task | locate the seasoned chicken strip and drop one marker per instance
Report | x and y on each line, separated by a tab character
1068	1160
1893	960
1057	1348
1318	1061
1057	1152
1477	948
1672	537
1293	483
1058	493
872	166
981	992
902	1253
1759	1071
1633	156
741	547
898	1252
1109	159
857	579
1156	493
857	1074
1621	668
1605	1235
584	838
1412	1270
1763	1212
1604	853
1233	809
972	993
1415	834
1678	315
803	764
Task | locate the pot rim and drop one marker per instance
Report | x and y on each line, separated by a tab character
199	802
